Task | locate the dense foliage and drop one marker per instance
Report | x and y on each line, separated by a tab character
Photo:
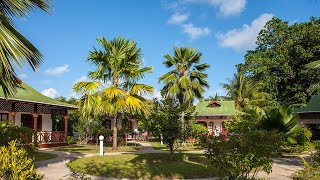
280	60
243	155
165	117
311	167
22	136
15	163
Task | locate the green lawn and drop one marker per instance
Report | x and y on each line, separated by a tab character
132	147
145	166
157	146
44	156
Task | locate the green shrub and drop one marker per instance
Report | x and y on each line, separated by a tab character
244	154
22	136
311	170
301	136
197	131
15	163
71	140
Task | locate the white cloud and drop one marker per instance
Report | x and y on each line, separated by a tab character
58	70
229	7
52	93
178	18
23	76
244	38
226	7
156	94
81	79
195	32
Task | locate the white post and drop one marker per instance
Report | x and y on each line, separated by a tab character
161	139
101	138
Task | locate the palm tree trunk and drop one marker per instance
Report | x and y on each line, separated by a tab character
183	128
115	137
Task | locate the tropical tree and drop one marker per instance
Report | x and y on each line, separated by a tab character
114	89
15	49
279	60
187	80
245	92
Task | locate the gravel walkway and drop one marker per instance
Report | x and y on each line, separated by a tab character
54	169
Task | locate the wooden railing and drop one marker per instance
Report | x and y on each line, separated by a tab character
50	136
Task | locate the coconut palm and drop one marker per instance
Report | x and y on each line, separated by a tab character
186	81
15	49
113	88
244	91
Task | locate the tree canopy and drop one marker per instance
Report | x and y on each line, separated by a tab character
280	59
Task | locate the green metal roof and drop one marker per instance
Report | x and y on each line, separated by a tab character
312	106
226	108
28	94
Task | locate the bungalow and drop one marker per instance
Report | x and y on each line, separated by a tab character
213	114
31	109
310	116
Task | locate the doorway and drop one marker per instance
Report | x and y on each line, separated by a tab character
27	121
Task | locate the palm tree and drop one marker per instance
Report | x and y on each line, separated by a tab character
114	89
15	49
244	91
187	80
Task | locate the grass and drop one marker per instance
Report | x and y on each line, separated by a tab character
157	146
145	166
44	156
131	147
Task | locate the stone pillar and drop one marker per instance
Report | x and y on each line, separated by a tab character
66	127
35	126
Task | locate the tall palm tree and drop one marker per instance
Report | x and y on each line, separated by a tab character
15	49
244	91
186	81
114	89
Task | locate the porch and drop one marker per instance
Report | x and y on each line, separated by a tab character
47	139
215	125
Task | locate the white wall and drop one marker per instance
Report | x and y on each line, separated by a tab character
46	122
217	125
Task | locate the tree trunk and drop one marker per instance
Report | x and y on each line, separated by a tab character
115	135
182	128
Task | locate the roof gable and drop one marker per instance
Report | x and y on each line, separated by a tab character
207	108
28	94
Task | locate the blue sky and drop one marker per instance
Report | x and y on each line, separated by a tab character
221	29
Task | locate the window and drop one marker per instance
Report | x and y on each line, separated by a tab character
27	121
4	116
106	123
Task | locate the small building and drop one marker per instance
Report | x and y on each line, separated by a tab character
213	114
310	116
31	109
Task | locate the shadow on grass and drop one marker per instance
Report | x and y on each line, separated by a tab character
145	166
